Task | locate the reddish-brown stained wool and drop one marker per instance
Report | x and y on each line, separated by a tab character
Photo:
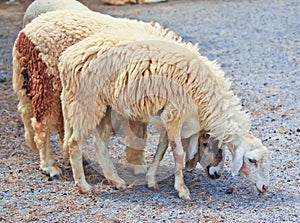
37	82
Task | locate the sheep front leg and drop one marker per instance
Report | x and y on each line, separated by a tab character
104	130
106	164
173	123
179	157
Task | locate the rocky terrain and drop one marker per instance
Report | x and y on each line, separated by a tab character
257	44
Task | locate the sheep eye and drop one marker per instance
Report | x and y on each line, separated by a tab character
253	161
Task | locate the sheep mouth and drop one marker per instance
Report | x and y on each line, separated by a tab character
261	190
213	176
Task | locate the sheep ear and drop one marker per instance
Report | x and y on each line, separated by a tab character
191	164
193	146
238	159
190	127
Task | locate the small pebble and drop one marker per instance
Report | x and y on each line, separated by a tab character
229	190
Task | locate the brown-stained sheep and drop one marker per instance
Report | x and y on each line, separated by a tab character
36	80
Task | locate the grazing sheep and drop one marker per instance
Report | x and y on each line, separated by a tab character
39	7
208	154
36	79
153	79
123	2
134	156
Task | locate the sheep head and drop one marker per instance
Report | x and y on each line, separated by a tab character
206	152
250	159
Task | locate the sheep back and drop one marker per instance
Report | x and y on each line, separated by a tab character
53	32
201	81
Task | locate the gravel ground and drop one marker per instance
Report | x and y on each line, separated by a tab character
258	45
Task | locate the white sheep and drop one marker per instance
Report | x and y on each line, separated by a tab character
210	157
123	2
35	77
39	7
153	79
134	156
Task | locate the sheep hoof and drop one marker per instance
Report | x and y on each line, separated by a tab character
185	197
84	187
53	171
184	193
55	177
153	186
119	184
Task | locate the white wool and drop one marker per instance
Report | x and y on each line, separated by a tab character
202	83
53	32
146	78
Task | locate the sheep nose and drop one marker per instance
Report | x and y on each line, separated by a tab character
265	187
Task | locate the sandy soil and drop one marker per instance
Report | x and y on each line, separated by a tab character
258	45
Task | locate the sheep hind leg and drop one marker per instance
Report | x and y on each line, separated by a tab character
42	140
75	153
136	144
104	130
29	132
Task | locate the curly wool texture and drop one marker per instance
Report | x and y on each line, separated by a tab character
37	82
53	32
138	79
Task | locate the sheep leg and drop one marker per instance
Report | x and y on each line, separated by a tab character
136	143
29	132
104	130
151	174
179	157
24	105
75	153
42	140
173	125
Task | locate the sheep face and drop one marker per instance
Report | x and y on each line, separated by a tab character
251	160
214	170
208	154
